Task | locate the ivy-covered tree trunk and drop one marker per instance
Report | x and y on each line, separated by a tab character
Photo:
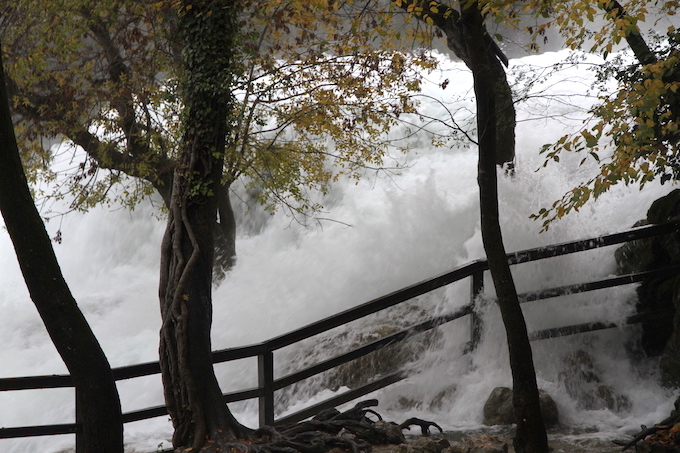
201	419
530	436
98	403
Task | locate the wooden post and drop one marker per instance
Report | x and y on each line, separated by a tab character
80	444
265	373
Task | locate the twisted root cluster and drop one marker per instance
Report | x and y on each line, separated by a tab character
331	429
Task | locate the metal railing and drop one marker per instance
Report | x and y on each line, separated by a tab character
268	384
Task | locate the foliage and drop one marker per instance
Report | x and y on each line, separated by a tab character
327	111
87	72
314	96
633	131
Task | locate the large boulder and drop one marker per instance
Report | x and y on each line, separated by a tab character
661	334
498	409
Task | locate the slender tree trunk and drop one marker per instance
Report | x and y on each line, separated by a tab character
98	403
448	20
530	436
200	417
506	119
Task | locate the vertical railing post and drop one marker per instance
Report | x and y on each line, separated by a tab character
80	444
265	377
476	288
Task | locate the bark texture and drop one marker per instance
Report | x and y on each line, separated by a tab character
531	435
96	394
199	415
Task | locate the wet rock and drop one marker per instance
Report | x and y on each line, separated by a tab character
670	358
457	447
660	336
409	397
498	409
443	398
424	445
645	447
582	382
365	369
479	443
389	433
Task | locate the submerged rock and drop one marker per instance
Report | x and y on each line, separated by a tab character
582	381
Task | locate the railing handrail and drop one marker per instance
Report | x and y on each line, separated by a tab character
266	348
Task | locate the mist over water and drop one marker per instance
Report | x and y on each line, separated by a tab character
390	231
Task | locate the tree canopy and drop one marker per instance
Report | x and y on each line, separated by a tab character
314	99
632	132
104	77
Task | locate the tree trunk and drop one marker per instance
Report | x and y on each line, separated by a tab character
448	20
506	119
530	436
635	40
98	403
200	417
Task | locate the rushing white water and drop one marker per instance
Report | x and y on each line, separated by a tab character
395	231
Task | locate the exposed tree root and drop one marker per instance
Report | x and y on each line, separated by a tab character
351	431
663	433
424	425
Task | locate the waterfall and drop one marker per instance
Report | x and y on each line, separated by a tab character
390	230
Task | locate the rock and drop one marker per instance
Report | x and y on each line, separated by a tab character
442	398
424	445
389	433
548	409
478	443
364	369
605	397
498	409
582	382
670	358
457	447
661	335
634	256
407	402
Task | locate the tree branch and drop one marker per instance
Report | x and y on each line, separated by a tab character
635	40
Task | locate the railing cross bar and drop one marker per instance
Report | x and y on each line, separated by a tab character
264	351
